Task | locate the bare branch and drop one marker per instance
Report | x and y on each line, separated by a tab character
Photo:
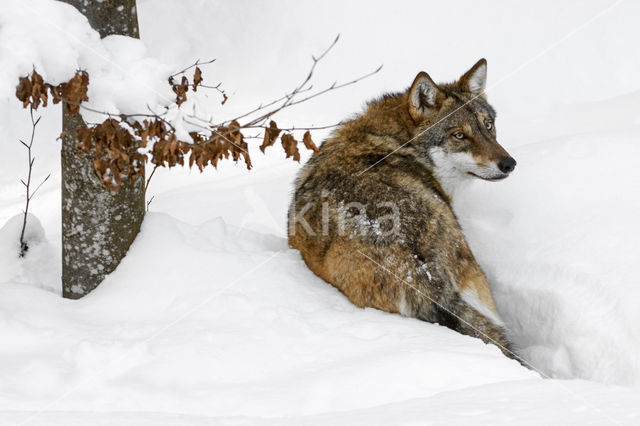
195	64
152	114
150	201
29	195
290	102
336	86
148	181
216	87
38	187
208	142
267	105
213	130
290	99
294	128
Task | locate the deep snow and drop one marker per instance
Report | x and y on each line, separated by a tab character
211	318
558	241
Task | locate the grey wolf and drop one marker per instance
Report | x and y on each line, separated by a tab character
372	212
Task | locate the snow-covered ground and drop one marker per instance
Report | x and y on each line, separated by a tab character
212	319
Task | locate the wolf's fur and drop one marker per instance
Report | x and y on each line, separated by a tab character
402	156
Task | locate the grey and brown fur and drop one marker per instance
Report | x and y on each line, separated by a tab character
404	156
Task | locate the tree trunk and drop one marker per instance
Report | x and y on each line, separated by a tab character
98	225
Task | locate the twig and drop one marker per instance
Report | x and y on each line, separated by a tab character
33	194
297	90
290	102
216	87
195	64
289	99
294	128
216	131
153	114
150	201
264	106
335	86
34	122
149	180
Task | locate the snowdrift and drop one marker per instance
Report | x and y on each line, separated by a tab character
212	319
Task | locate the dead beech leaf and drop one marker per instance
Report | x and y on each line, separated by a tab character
308	142
197	78
290	146
270	136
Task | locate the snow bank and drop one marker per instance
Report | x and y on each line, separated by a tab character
239	331
559	242
39	266
215	319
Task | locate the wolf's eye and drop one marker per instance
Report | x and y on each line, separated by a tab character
489	124
458	135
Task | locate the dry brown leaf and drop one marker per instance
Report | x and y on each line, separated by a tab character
270	136
197	78
290	146
308	142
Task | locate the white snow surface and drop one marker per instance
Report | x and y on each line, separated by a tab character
40	267
212	319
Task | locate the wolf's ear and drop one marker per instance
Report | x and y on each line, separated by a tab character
475	80
422	95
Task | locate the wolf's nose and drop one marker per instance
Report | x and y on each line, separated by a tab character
507	164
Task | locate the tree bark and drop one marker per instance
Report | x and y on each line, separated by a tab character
98	225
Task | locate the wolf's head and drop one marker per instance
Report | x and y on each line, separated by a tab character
455	128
